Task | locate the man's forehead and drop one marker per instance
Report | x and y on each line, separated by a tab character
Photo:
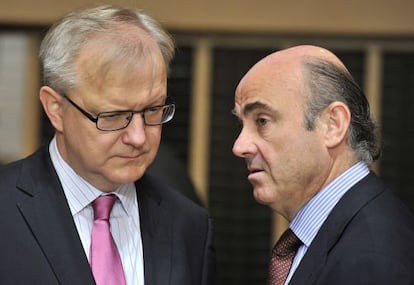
245	107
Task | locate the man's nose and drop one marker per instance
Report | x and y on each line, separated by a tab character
135	132
243	145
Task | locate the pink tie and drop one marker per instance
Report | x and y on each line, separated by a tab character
104	256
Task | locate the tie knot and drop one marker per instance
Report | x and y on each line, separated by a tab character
102	206
287	244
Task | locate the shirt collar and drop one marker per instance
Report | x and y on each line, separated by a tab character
80	193
310	218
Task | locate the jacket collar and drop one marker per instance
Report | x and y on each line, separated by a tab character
43	205
331	231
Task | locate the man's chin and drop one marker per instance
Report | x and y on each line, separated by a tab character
260	195
127	175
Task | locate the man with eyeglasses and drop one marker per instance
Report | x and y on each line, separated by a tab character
82	210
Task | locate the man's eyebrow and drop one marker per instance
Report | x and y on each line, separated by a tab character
250	107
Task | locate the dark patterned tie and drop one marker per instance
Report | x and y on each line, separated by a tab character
282	257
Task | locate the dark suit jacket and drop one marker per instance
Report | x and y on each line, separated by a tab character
367	239
40	243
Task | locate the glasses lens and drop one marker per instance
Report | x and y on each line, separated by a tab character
112	121
109	121
159	115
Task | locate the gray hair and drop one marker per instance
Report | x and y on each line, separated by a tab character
65	39
327	83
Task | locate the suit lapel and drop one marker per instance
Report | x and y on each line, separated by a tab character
156	231
42	203
331	231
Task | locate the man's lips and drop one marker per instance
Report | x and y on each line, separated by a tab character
131	156
254	170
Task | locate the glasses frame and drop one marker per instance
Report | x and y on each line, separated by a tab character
132	112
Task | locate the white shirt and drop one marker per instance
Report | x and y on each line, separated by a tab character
124	219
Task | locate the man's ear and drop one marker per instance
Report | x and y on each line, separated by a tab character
52	103
335	119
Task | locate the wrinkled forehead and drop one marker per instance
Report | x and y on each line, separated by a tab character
127	52
248	92
269	84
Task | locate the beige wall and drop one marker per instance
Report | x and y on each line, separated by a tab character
356	17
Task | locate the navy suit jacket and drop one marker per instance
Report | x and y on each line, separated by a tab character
367	239
40	243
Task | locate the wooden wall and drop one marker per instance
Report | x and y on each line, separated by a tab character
355	17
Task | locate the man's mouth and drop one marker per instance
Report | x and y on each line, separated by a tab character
253	170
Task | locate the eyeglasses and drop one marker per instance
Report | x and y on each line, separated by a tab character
118	120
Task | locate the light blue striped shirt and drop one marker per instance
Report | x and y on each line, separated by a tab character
124	219
310	218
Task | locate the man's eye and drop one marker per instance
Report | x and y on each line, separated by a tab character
110	115
115	116
153	109
261	121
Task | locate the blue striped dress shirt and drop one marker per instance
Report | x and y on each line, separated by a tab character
310	218
124	219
